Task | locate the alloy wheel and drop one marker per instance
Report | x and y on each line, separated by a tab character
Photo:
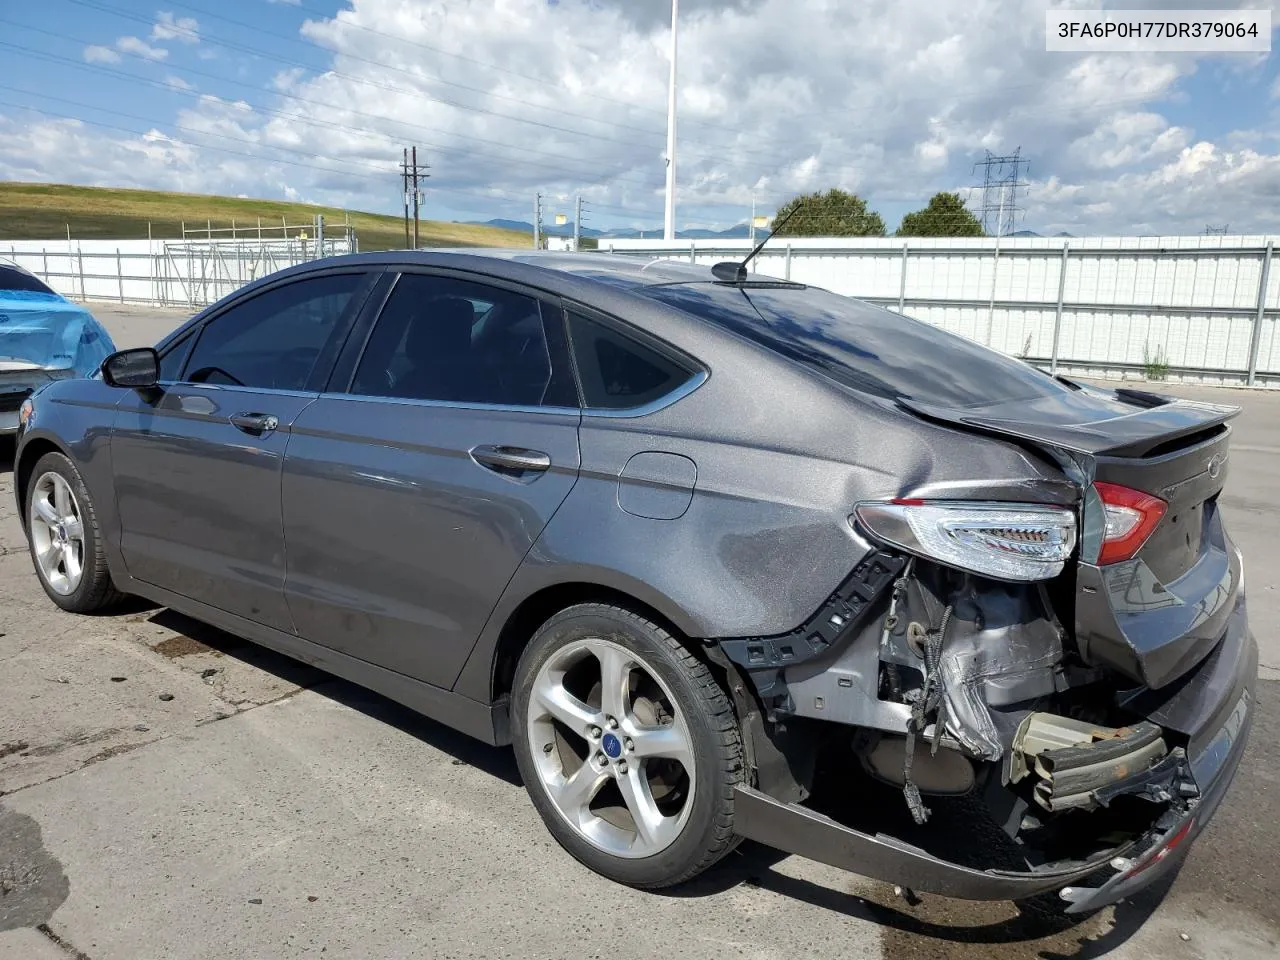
611	748
57	533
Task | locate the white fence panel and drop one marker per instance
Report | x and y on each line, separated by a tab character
1189	306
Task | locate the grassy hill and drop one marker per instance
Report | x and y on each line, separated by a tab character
40	211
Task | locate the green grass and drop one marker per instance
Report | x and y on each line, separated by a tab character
42	211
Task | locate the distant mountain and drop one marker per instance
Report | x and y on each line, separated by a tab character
1032	233
503	224
739	232
549	229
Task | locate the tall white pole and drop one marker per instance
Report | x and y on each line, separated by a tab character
669	221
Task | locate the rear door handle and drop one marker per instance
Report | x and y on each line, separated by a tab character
255	423
510	459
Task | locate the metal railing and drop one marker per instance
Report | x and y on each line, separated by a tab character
186	273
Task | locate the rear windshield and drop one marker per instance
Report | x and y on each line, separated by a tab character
862	346
11	279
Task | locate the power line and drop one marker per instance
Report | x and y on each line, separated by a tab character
685	119
107	8
266	55
267	111
492	195
376	167
718	152
592	175
699	149
370	164
168	140
350	25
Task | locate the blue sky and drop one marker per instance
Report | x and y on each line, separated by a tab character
892	98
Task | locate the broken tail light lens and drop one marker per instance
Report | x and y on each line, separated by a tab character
1006	541
1131	516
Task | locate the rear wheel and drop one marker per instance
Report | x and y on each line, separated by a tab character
65	541
627	745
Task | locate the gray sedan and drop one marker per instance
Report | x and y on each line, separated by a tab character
719	556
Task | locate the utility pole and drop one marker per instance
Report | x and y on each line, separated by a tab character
404	186
669	220
411	173
577	223
417	197
537	221
751	230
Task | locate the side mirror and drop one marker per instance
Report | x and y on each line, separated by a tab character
138	368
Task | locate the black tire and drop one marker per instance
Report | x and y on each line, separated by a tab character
96	592
713	730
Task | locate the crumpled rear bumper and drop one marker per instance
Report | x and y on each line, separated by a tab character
1219	696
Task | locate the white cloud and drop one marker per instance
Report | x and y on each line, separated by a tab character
177	83
1126	139
97	54
141	48
893	99
169	27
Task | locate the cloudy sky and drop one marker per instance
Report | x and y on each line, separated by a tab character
894	99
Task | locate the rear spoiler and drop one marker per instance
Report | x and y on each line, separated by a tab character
1153	422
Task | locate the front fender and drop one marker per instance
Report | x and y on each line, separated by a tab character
75	417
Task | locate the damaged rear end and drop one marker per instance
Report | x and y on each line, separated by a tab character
1069	663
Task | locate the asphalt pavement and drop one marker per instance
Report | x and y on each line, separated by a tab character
169	791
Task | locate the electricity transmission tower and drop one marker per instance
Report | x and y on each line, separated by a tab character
1001	181
1211	231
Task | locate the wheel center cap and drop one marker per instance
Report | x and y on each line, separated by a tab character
62	533
612	746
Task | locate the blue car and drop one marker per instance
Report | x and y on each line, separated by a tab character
43	337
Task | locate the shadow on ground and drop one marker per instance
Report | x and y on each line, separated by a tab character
496	762
937	928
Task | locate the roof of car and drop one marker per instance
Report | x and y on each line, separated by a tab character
623	270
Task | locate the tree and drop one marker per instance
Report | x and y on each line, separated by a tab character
945	216
831	214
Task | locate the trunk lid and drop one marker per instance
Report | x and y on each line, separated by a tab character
1154	616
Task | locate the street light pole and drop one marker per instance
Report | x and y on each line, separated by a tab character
669	221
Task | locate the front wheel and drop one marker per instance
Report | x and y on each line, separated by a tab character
65	541
628	746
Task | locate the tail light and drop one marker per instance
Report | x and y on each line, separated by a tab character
1007	541
1131	516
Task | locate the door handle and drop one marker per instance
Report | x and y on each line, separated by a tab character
510	459
255	423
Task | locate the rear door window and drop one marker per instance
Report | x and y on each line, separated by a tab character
452	340
862	346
